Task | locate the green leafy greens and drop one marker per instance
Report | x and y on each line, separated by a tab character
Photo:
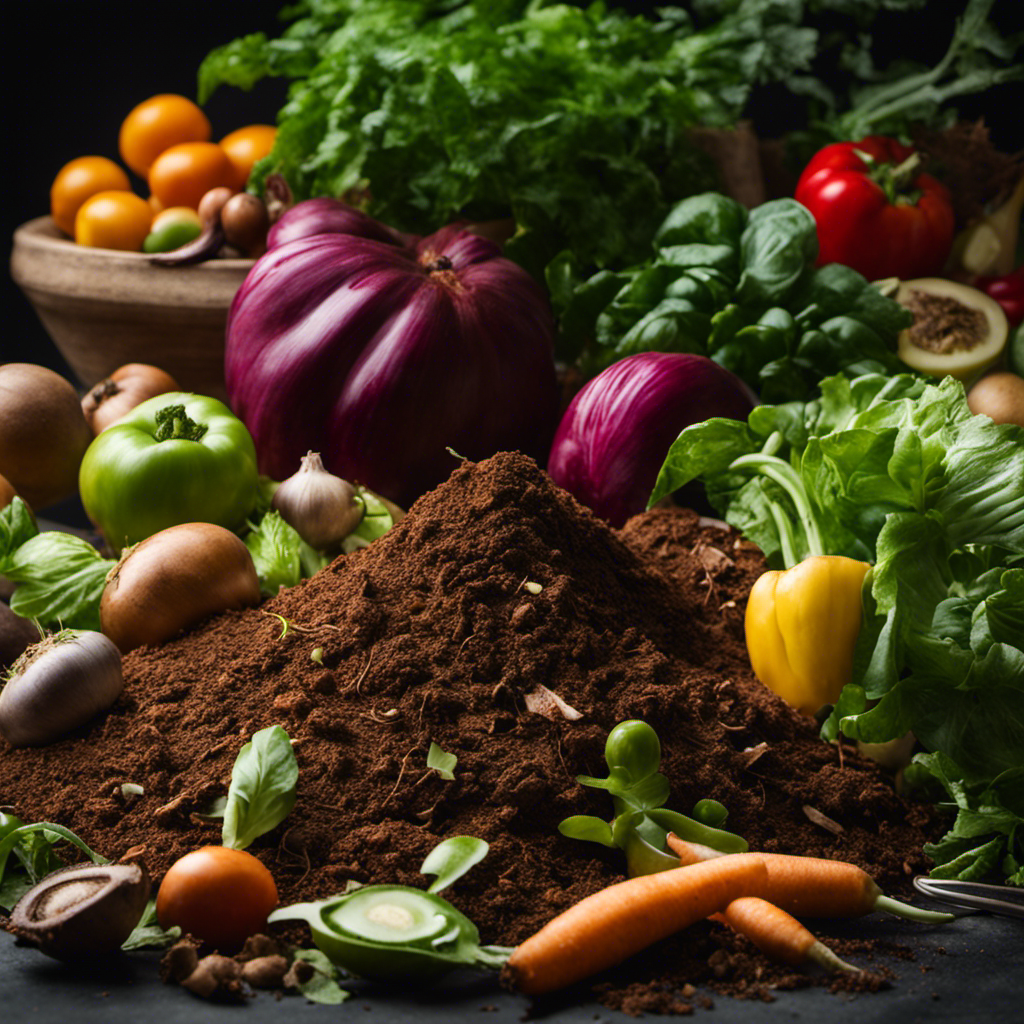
572	120
740	287
898	472
60	576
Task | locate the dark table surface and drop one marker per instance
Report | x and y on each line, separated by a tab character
970	971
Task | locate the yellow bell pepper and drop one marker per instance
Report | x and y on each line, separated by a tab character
802	625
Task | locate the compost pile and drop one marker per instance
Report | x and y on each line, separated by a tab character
495	583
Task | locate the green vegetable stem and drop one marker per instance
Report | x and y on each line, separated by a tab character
386	932
638	791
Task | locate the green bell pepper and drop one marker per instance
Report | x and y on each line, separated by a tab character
176	458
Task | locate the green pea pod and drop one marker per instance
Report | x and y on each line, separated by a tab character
695	832
389	932
176	458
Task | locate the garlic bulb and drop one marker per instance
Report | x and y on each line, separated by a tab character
322	508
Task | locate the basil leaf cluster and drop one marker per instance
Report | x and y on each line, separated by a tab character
739	287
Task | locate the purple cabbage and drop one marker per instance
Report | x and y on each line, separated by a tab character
383	358
616	432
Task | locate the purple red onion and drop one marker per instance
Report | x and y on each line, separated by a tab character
616	432
386	360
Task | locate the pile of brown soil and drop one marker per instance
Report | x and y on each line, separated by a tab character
438	632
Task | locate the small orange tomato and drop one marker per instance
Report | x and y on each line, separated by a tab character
157	124
244	146
218	895
79	179
115	219
183	174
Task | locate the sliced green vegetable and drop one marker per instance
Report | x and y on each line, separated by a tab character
388	932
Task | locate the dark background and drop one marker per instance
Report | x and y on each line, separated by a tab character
75	68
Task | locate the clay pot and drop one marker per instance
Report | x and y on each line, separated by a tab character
104	308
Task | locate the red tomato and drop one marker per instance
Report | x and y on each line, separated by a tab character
217	894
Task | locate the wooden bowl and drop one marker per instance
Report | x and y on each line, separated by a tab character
104	308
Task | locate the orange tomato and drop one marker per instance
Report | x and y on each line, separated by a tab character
79	179
157	124
114	219
217	894
244	146
183	174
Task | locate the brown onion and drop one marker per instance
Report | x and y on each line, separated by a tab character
245	221
173	580
125	388
43	434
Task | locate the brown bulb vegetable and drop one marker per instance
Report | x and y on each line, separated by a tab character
58	685
174	579
43	434
245	221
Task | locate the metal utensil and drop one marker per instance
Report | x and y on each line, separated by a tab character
996	899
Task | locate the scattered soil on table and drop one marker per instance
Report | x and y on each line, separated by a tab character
438	633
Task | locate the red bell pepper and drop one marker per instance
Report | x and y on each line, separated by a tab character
1008	291
875	212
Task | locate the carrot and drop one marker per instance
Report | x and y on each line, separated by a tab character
612	924
814	886
779	935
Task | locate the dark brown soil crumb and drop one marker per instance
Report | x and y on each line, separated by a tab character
432	634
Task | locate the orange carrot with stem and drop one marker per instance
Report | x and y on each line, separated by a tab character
813	886
611	925
779	935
